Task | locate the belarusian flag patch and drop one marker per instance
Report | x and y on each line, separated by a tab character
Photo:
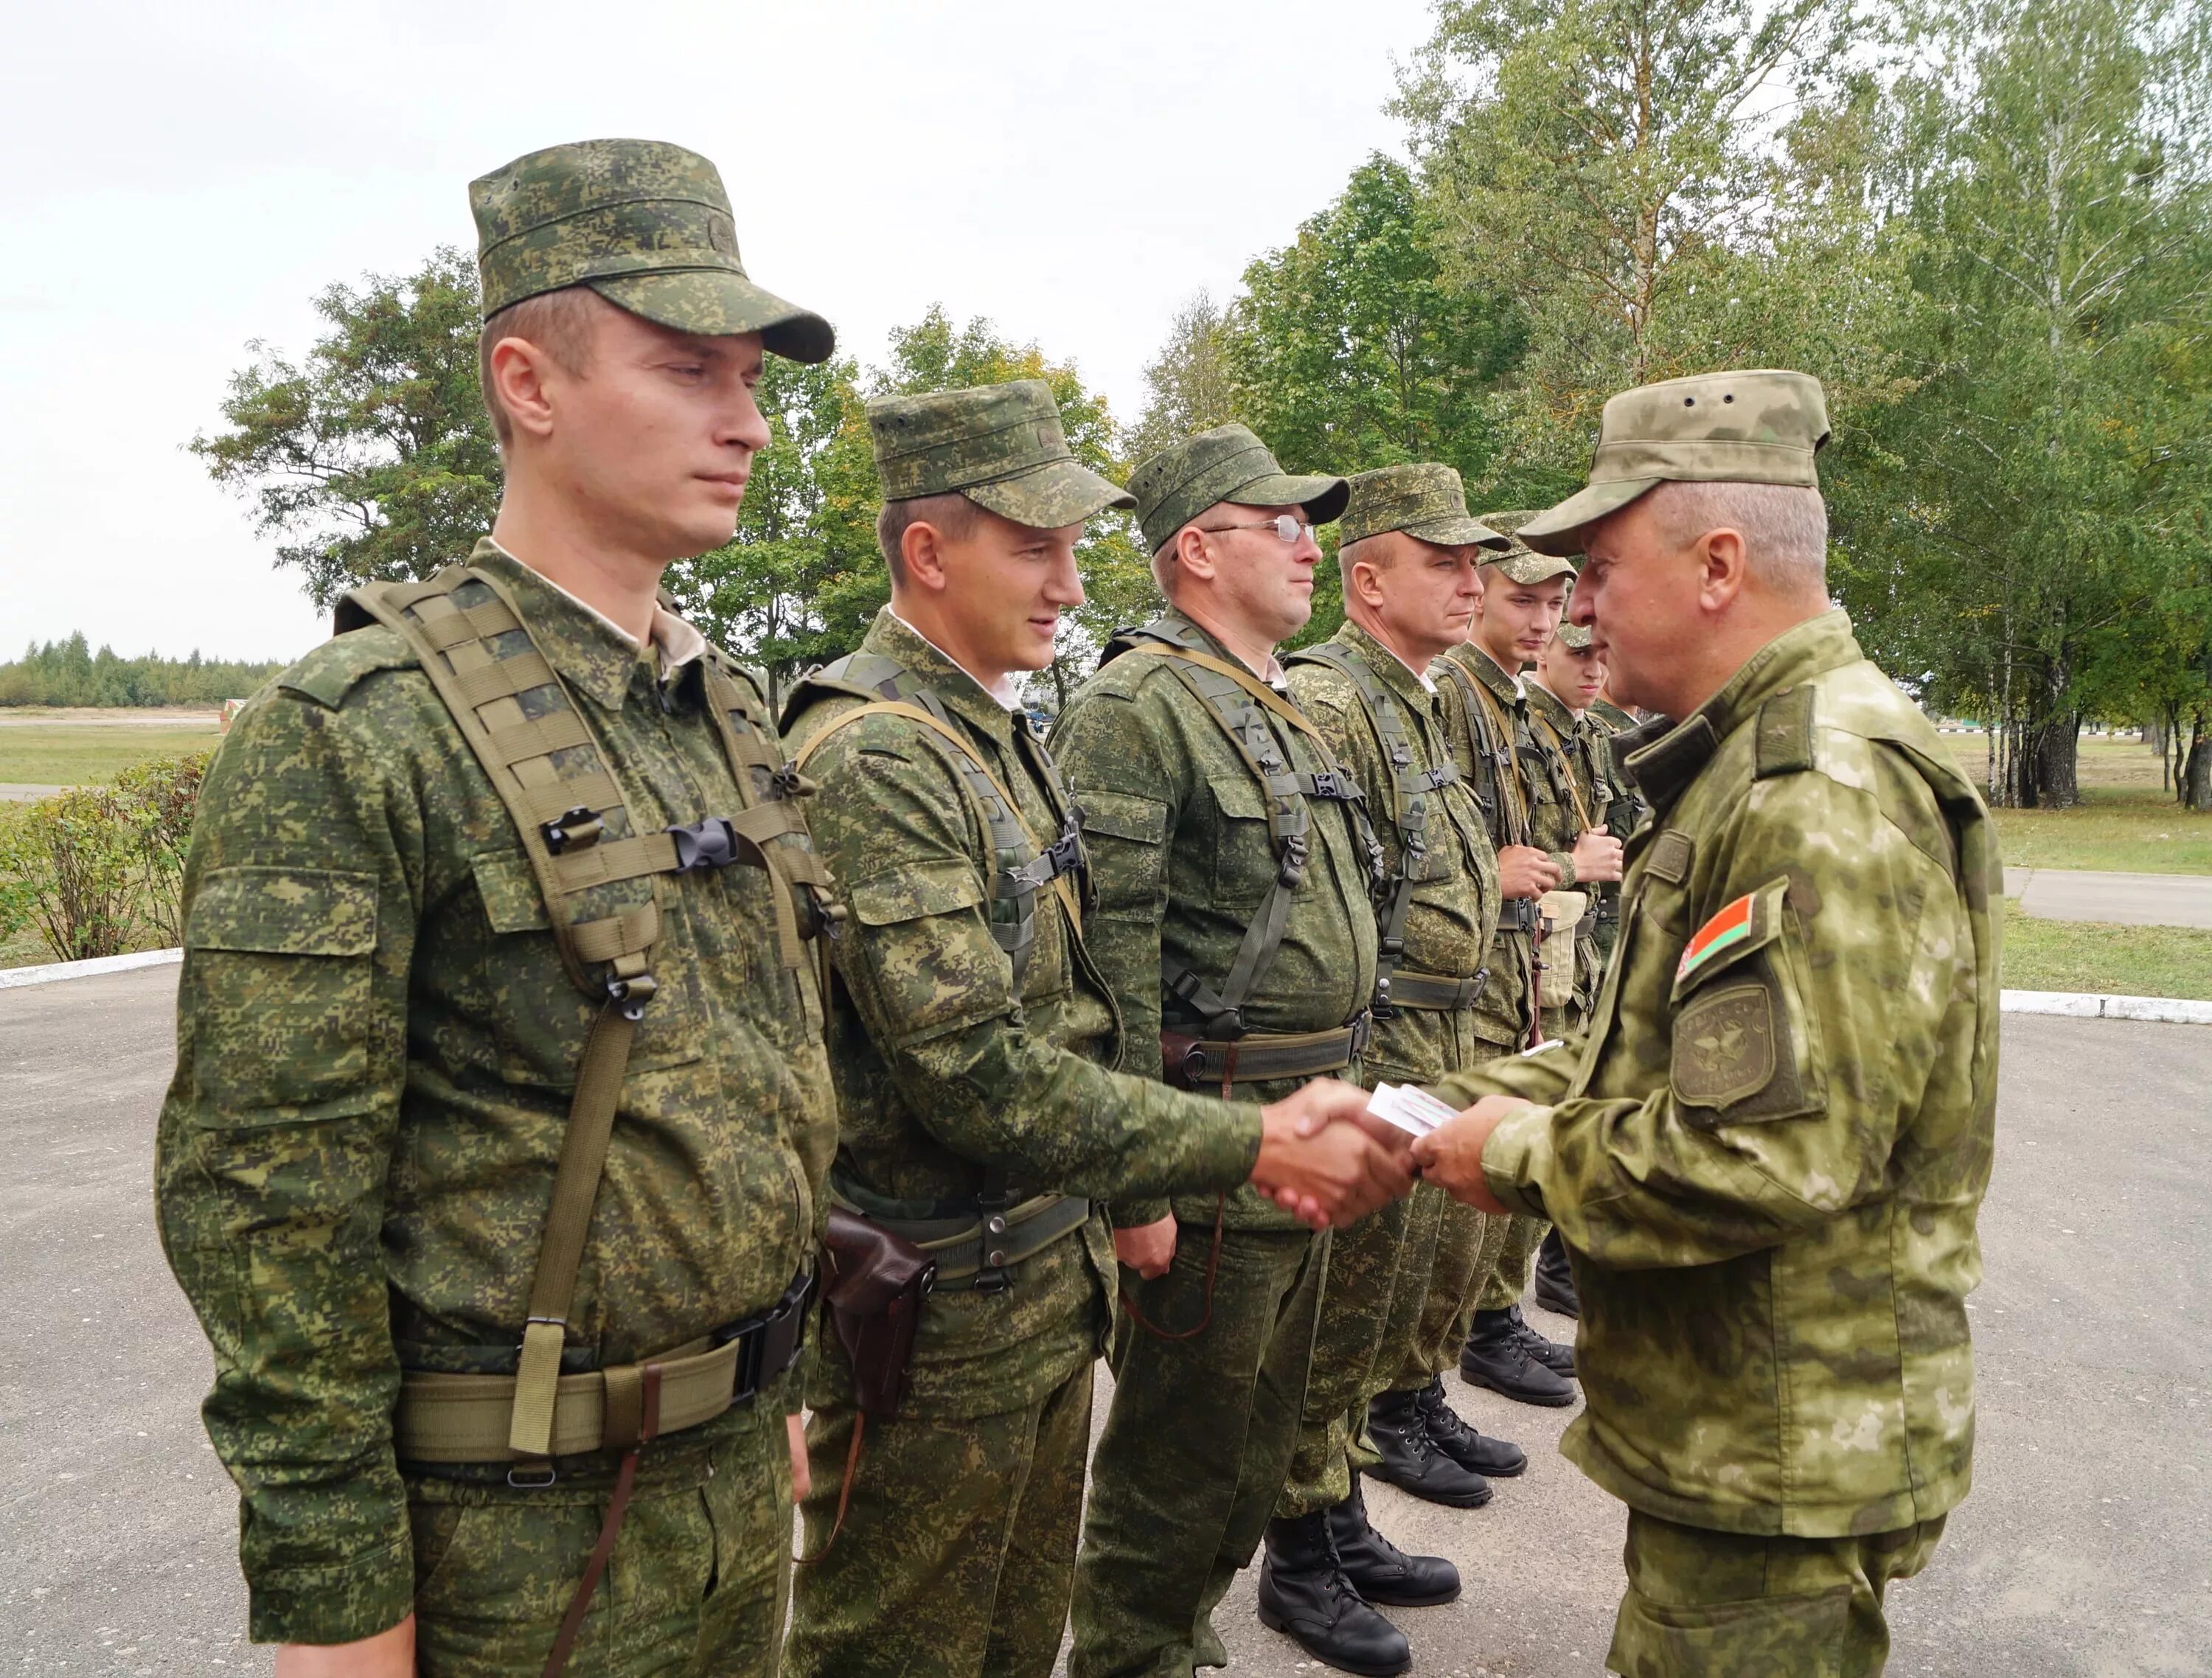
1723	932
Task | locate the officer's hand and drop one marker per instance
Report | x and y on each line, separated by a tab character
802	1477
1525	871
1597	857
1450	1156
1148	1249
1328	1101
387	1655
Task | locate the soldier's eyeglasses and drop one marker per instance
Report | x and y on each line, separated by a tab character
1285	527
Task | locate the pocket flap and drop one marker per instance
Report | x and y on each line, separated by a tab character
1240	795
934	888
1730	935
508	885
1125	815
284	912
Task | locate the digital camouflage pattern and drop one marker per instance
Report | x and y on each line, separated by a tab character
1227	464
1758	426
1516	559
1623	802
1427	502
1380	1269
1580	794
1725	1604
375	1045
1002	446
1470	1250
644	224
1767	1170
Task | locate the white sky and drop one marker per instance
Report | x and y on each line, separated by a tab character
184	177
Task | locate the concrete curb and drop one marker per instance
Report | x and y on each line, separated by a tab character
10	977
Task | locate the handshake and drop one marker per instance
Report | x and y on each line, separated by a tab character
1328	1158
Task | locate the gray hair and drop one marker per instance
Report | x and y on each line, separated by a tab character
1784	528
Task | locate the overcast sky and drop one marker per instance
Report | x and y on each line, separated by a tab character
184	179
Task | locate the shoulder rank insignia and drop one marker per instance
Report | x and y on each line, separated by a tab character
1726	929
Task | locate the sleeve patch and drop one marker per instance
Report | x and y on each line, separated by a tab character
1726	929
1724	1047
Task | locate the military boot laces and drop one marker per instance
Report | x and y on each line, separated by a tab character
1411	1460
1557	1358
1499	1458
1379	1570
1496	1357
1305	1594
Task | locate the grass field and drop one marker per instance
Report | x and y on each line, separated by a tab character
2125	823
43	752
2116	961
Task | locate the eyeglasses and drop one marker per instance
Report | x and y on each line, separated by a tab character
1285	525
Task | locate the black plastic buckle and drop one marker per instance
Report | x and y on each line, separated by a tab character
768	1344
710	843
1293	865
578	829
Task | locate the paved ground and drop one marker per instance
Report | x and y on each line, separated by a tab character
23	792
2131	900
2086	1552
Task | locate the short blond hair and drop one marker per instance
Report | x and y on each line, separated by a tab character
951	515
558	322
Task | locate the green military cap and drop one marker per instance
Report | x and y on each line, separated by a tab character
1427	502
1227	464
1002	446
1519	561
1575	637
1759	427
644	224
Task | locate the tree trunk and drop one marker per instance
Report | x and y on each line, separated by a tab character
2059	762
2196	776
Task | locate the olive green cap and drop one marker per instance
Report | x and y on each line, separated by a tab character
1575	635
1002	446
1227	464
1428	502
1519	561
644	224
1759	427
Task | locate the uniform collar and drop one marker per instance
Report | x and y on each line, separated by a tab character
1003	692
891	636
1273	675
1408	684
578	640
1487	671
1665	758
1550	707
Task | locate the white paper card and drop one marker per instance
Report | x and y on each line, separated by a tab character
1415	1111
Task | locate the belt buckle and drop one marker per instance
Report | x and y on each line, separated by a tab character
1363	1033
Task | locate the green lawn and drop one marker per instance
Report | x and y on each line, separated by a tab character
71	754
2124	823
2119	961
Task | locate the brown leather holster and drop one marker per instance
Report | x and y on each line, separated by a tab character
875	1282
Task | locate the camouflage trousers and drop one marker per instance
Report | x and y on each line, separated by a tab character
1378	1276
1703	1604
1509	1274
1197	1443
958	1546
1462	1262
697	1586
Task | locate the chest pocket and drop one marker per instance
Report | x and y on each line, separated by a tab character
1243	859
1746	1043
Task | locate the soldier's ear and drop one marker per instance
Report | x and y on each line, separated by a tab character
1721	559
1193	553
924	556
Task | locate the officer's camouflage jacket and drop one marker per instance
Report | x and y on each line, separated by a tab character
1176	829
1767	1153
1453	914
376	1043
941	1067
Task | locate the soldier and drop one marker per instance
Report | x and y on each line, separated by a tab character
493	1154
1409	562
973	1048
1541	848
1233	868
1768	1152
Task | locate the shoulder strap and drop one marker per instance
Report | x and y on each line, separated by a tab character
1560	754
1490	733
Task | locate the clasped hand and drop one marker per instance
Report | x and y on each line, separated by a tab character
1326	1160
1450	1156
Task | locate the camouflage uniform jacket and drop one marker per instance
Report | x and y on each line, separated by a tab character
376	1045
1581	778
1175	826
1767	1153
1488	756
942	1067
1452	916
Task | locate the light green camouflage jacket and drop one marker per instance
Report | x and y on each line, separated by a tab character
1175	825
1767	1154
1452	916
376	1043
941	1067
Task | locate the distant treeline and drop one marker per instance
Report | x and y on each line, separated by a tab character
68	672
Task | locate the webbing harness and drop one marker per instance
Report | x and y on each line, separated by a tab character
1410	791
539	753
1240	703
1494	744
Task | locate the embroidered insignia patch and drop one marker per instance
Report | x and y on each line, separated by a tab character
1724	1047
1723	932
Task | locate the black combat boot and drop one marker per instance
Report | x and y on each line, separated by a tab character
1449	1433
1557	1358
1555	1277
1498	1356
1305	1594
1379	1570
1411	1460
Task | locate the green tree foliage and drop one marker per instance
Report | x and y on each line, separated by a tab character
372	457
68	672
1187	386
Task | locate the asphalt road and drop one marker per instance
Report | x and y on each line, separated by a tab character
2138	900
2085	1551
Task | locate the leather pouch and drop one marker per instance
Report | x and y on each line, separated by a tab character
875	1282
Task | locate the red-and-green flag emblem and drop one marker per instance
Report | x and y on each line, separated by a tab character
1724	931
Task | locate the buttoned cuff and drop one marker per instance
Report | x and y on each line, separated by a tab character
1515	1158
340	1603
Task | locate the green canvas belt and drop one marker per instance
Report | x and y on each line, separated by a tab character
975	1249
446	1418
1433	990
1208	1065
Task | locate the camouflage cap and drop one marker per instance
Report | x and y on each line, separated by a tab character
1427	502
1576	637
644	224
1002	446
1758	427
1519	561
1227	464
